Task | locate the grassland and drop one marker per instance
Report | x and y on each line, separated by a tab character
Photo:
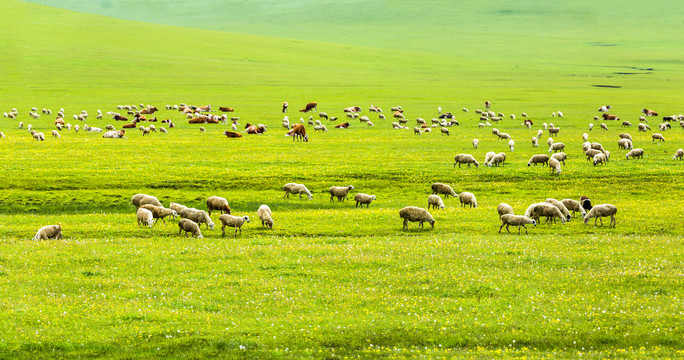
330	279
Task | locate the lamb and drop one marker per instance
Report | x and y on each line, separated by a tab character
416	214
535	211
191	227
340	192
497	159
233	221
145	217
177	207
557	147
476	142
560	207
159	212
600	211
511	144
139	200
264	214
538	159
678	155
198	216
363	199
554	165
657	136
434	201
516	220
292	188
503	209
574	206
439	188
217	203
467	198
600	159
49	232
465	159
635	153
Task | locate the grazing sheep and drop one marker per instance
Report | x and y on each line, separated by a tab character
678	154
516	220
29	127
539	133
604	126
439	188
535	141
511	144
467	198
554	131
55	134
160	212
554	165
198	216
292	188
476	142
523	114
626	124
503	136
512	116
2	135
560	207
76	128
444	131
264	214
217	203
465	159
145	217
362	198
600	158
555	147
177	207
600	211
536	211
139	200
495	131
635	153
340	192
597	146
657	136
550	141
561	156
49	232
625	144
191	227
110	127
233	221
416	214
435	202
591	126
497	159
488	156
163	130
538	159
644	127
503	209
585	137
574	206
625	136
202	129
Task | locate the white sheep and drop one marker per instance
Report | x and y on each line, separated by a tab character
435	201
198	216
657	136
591	126
440	188
163	130
625	144
550	141
416	214
574	206
139	200
600	158
503	209
144	217
536	211
465	159
678	154
488	156
2	135
264	214
177	207
362	198
585	137
554	165
160	212
555	147
599	211
217	203
55	134
292	188
539	133
604	126
497	159
511	144
189	226
233	221
340	192
49	232
560	207
535	141
467	198
635	153
516	220
476	142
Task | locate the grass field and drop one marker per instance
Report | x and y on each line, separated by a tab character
330	280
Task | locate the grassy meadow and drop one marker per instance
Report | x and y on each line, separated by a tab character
331	280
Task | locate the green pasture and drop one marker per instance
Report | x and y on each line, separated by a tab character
331	280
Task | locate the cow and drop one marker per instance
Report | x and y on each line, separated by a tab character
607	116
342	126
226	109
115	134
197	120
446	116
605	108
129	126
204	108
253	129
310	106
149	110
119	117
298	132
59	120
352	109
648	112
231	134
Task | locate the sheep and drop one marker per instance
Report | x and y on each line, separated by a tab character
292	188
189	226
2	135
139	200
503	136
535	211
585	137
439	188
555	147
643	127
145	217
110	127
163	130
160	212
554	165
340	192
635	153
550	141
55	134
495	131
516	220
625	144
678	154
29	127
21	123
264	214
600	211
535	142
217	203
512	116
202	129
539	133
554	131
467	198
523	114
600	159
574	206
626	123
625	136
511	144
503	209
444	131
41	136
49	232
497	159
465	159
76	128
538	159
489	156
435	202
597	146
561	156
476	142
233	221
177	207
604	126
198	216
560	207
657	136
416	214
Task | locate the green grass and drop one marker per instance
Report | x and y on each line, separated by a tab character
330	278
